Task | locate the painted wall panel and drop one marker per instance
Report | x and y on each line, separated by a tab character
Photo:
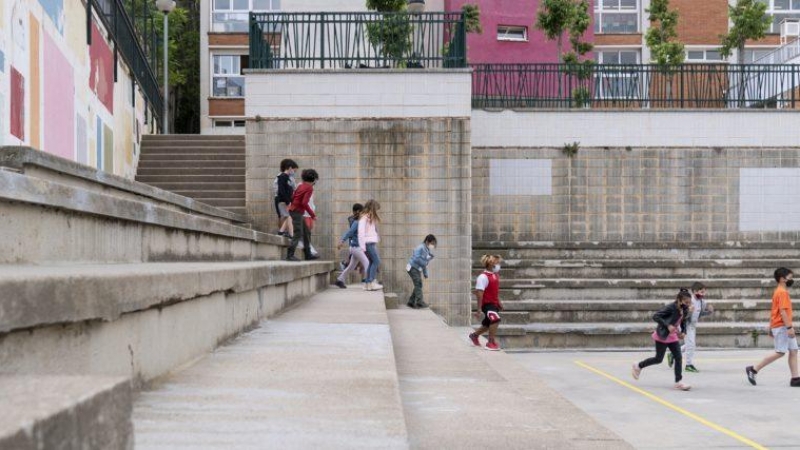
108	149
55	10
34	86
17	104
101	77
59	102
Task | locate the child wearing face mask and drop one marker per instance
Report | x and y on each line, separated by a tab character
283	189
700	308
418	265
487	289
671	321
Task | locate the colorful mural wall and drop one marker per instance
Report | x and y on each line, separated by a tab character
58	94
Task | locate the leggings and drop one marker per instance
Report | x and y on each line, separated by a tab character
661	350
356	256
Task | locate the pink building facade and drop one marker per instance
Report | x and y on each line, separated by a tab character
509	34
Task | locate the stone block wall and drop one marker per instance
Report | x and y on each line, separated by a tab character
636	194
418	169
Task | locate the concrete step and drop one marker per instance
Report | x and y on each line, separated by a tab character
674	251
444	383
169	171
626	289
225	203
191	137
198	186
223	146
211	194
162	179
194	156
183	165
692	274
525	312
655	263
627	335
321	375
65	412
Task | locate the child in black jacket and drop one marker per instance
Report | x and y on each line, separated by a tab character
671	328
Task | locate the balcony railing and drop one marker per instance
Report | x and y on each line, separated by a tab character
508	86
121	30
357	40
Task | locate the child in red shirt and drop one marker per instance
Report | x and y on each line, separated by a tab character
487	289
298	207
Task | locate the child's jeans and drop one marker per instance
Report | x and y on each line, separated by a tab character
416	296
374	262
690	343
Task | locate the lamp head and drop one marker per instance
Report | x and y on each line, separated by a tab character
416	6
165	6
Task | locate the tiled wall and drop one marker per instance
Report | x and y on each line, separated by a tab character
418	169
643	194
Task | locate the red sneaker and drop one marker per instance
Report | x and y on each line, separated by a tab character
492	346
475	339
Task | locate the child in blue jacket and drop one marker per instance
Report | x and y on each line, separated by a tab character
417	267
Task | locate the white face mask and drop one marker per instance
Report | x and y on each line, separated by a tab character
496	268
431	247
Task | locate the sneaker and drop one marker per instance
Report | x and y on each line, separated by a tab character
292	259
670	359
636	371
312	257
476	341
795	382
341	284
692	369
682	387
492	346
751	374
376	286
411	305
365	286
422	305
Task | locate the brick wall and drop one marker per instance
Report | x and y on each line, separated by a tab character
418	169
643	194
701	22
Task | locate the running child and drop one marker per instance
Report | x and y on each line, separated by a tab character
297	208
368	241
418	265
487	289
671	328
357	208
781	329
701	308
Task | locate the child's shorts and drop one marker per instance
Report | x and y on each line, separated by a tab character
783	342
491	314
282	209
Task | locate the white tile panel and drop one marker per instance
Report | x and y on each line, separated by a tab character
768	199
520	177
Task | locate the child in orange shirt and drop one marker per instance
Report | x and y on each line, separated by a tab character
781	329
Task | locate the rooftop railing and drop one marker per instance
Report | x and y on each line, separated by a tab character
714	86
357	40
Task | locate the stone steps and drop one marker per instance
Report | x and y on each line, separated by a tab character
692	274
217	164
641	251
627	335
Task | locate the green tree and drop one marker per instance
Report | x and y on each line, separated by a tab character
554	19
392	35
661	37
750	21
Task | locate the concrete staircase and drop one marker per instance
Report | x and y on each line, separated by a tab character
600	295
107	284
209	169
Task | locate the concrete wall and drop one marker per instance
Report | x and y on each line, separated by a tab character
636	128
636	194
58	94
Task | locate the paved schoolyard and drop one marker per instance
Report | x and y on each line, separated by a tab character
721	411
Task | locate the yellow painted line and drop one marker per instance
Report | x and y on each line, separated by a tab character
675	408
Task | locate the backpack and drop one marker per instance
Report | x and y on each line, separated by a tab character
275	186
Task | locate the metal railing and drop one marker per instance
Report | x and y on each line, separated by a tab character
357	40
508	86
121	30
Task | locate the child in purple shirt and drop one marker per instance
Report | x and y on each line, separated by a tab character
671	321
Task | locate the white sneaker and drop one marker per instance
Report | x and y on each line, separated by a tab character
682	387
376	286
636	371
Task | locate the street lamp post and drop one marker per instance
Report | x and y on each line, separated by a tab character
166	6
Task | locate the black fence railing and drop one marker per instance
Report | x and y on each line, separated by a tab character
357	40
508	86
122	31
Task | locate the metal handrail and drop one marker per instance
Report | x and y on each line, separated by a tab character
714	86
357	40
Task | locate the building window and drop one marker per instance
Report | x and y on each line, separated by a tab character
618	56
760	56
618	82
232	16
509	33
229	124
710	56
227	79
616	16
781	10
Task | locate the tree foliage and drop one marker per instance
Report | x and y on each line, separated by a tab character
472	18
750	21
661	37
557	18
